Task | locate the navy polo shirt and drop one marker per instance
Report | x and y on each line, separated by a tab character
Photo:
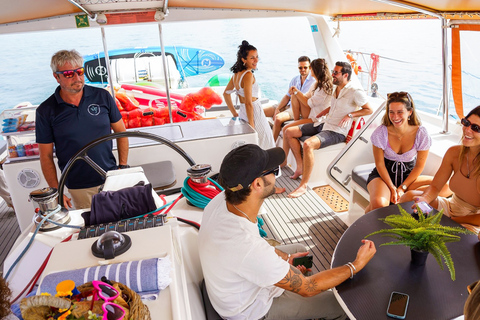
71	128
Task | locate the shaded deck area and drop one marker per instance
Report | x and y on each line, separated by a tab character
306	220
9	231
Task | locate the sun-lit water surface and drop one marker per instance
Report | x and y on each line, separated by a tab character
410	54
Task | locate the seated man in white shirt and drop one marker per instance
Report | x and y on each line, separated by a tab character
283	111
348	101
245	277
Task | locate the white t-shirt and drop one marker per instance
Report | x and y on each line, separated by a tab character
349	100
240	268
318	102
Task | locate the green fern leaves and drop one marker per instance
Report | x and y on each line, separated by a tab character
424	234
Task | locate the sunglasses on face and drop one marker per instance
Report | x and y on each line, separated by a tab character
335	72
473	126
70	73
276	171
304	68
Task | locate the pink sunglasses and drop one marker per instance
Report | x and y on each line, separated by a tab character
111	311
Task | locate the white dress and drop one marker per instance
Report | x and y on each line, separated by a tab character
265	135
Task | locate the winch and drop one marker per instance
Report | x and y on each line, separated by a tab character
45	201
198	173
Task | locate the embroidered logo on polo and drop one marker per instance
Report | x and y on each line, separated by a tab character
94	109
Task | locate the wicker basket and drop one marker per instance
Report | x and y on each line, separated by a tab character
138	310
38	307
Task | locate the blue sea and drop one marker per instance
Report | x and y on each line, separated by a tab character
410	53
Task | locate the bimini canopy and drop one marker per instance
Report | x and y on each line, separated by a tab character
28	10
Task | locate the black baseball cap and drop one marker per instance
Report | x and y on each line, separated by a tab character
246	163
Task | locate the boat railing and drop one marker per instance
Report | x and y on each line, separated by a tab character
137	71
358	148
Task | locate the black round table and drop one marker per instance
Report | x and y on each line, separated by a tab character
433	295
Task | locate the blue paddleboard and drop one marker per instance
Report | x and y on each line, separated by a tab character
189	61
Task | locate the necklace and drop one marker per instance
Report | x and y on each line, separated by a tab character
399	136
243	214
468	168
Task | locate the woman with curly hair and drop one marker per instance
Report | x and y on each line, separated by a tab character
315	103
309	105
243	83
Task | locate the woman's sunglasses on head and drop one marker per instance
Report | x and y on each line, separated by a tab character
70	73
473	126
399	95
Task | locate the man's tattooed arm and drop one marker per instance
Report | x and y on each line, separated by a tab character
296	282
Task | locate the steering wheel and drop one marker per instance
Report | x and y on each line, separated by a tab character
82	154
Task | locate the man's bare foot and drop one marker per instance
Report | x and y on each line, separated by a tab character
298	192
296	174
279	190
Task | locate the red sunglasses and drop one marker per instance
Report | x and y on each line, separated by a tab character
70	73
473	126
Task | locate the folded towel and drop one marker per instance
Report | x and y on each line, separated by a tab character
146	277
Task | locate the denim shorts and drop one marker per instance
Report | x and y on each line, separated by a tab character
326	137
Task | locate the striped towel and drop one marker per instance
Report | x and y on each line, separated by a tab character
146	277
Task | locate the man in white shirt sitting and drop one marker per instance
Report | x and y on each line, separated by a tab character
348	101
283	111
245	277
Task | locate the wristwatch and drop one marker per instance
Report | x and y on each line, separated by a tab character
350	115
123	166
404	187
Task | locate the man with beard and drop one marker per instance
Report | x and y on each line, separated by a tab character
348	101
71	118
283	111
245	277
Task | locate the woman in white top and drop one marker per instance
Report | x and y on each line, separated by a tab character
244	84
316	101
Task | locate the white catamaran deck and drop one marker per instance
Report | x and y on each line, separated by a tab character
307	220
9	231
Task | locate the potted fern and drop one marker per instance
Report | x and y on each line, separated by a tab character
423	235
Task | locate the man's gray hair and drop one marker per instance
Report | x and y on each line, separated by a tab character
63	56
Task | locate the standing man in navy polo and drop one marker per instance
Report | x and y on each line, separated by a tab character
71	118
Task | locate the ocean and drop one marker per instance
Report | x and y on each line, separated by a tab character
410	53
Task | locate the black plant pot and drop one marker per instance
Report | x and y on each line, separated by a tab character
419	258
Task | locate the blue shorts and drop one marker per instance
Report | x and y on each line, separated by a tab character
327	137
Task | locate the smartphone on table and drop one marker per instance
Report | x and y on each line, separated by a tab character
397	306
306	261
425	207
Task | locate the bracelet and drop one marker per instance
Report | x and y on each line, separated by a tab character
353	266
288	257
351	270
123	166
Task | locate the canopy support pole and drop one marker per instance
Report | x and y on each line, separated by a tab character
167	83
446	100
107	62
431	12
